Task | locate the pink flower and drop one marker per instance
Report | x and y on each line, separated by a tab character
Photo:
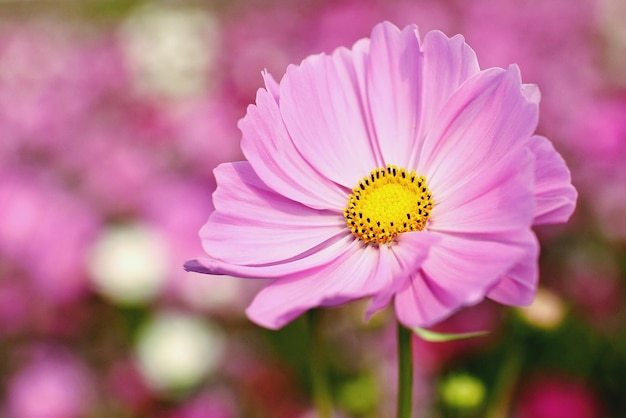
52	385
558	397
33	212
207	405
397	170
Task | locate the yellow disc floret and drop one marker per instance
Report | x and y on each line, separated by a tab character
386	203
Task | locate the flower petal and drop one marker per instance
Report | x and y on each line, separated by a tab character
485	119
519	285
420	305
324	112
271	85
500	199
448	62
269	149
555	197
249	218
458	272
394	82
356	273
312	259
403	259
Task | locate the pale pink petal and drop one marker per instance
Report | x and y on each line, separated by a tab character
519	285
485	119
271	85
394	82
532	93
315	257
458	272
500	199
448	62
250	218
321	104
555	197
403	259
356	273
275	159
361	61
421	305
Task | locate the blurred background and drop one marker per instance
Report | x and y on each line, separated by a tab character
113	114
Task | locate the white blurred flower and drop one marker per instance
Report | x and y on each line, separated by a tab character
176	351
547	310
219	292
129	263
171	49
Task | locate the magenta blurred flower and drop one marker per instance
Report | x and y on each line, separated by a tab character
125	383
605	123
558	397
397	169
14	305
206	406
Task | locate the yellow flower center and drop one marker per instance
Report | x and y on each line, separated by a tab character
386	203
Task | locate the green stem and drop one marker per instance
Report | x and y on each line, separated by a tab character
319	380
505	384
405	372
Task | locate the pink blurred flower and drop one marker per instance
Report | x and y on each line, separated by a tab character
49	81
427	14
602	134
14	304
44	231
599	295
260	38
555	45
438	240
126	385
53	385
69	107
600	148
557	397
206	406
34	57
342	23
592	283
195	121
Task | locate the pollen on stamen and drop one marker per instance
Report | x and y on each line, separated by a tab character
388	202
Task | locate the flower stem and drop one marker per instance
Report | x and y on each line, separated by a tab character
505	384
405	372
319	379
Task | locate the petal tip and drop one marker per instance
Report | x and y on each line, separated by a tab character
271	85
195	266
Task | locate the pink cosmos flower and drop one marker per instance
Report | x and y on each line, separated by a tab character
396	170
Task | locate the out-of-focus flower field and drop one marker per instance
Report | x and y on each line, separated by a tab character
113	115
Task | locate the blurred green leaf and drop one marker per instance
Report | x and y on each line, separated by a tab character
436	337
359	396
